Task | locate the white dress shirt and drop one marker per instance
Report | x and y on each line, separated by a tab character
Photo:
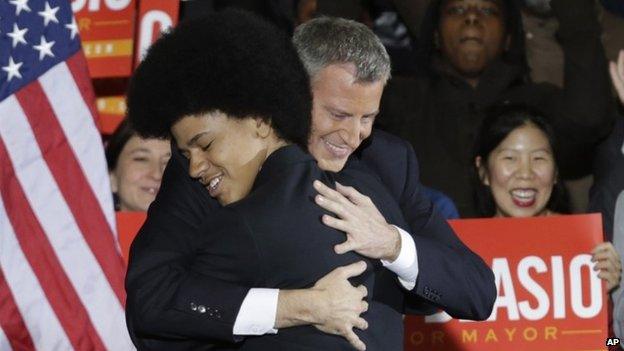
259	309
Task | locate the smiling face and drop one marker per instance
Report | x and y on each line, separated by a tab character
225	153
471	34
343	112
521	173
138	172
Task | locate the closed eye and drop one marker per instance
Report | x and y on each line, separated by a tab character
340	115
369	118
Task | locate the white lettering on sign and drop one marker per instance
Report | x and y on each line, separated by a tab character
543	303
504	283
580	273
94	5
149	20
576	287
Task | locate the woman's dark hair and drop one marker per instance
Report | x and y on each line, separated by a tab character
231	62
116	143
499	122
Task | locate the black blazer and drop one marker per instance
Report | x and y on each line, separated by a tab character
160	278
274	238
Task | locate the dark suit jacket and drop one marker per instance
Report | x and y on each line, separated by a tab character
160	279
274	238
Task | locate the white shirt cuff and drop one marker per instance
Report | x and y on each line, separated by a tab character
257	313
406	264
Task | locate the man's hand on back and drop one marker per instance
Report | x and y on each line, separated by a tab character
367	231
333	305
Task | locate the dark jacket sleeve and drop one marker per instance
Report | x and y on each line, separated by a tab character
160	258
608	180
582	111
450	275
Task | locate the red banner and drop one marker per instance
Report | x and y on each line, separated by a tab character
128	225
155	17
549	298
107	34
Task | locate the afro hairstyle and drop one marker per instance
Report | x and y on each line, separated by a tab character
230	61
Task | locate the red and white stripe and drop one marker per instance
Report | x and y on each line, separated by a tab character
59	255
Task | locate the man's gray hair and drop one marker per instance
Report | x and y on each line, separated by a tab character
328	40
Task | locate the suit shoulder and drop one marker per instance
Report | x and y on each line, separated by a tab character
387	148
389	140
291	183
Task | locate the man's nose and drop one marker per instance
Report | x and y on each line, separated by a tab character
198	166
353	130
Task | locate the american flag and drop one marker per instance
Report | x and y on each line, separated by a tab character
61	273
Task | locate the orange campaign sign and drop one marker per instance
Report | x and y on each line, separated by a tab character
128	225
155	17
549	298
107	33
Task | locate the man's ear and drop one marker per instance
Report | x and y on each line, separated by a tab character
113	182
556	176
263	128
482	171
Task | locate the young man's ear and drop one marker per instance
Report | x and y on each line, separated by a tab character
482	171
263	128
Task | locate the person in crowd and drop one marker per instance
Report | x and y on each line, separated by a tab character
618	242
517	175
616	69
609	162
443	203
135	167
347	79
474	57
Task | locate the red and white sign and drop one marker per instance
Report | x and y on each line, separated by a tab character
107	32
155	17
549	297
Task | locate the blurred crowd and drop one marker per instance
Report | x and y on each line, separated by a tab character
512	107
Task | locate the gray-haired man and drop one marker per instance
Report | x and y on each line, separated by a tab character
426	270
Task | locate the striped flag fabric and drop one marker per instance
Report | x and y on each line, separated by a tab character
61	271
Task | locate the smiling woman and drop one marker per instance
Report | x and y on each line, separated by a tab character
516	165
517	175
135	167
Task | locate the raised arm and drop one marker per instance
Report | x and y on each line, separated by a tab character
581	112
